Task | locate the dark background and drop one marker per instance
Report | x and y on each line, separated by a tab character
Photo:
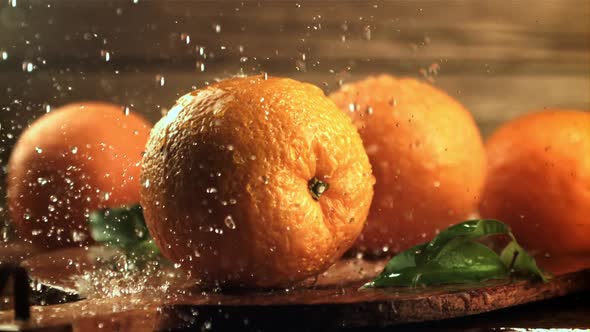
500	58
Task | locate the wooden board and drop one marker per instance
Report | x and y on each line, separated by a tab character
166	298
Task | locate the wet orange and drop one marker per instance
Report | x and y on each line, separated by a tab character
78	158
539	181
255	183
427	157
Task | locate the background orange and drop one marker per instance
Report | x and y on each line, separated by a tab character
75	159
427	157
539	181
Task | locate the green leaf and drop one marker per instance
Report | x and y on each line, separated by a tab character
467	230
467	262
454	257
520	262
124	228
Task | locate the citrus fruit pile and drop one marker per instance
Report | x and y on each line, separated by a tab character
264	182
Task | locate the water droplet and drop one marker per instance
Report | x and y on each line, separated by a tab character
200	66
42	181
53	198
146	183
38	149
367	32
217	28
126	111
185	37
12	3
51	208
107	196
232	201
28	66
74	149
78	236
265	76
211	190
27	216
4	55
106	55
369	110
160	80
229	222
353	107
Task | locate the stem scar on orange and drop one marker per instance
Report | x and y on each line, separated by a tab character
427	156
78	158
255	182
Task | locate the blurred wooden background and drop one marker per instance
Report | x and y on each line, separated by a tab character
500	58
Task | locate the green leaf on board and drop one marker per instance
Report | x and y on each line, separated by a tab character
455	257
124	228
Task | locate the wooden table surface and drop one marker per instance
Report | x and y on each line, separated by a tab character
333	301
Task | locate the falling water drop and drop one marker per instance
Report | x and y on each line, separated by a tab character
160	80
28	66
185	37
229	222
106	55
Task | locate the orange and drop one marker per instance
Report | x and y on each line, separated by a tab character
427	157
73	160
539	181
255	182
